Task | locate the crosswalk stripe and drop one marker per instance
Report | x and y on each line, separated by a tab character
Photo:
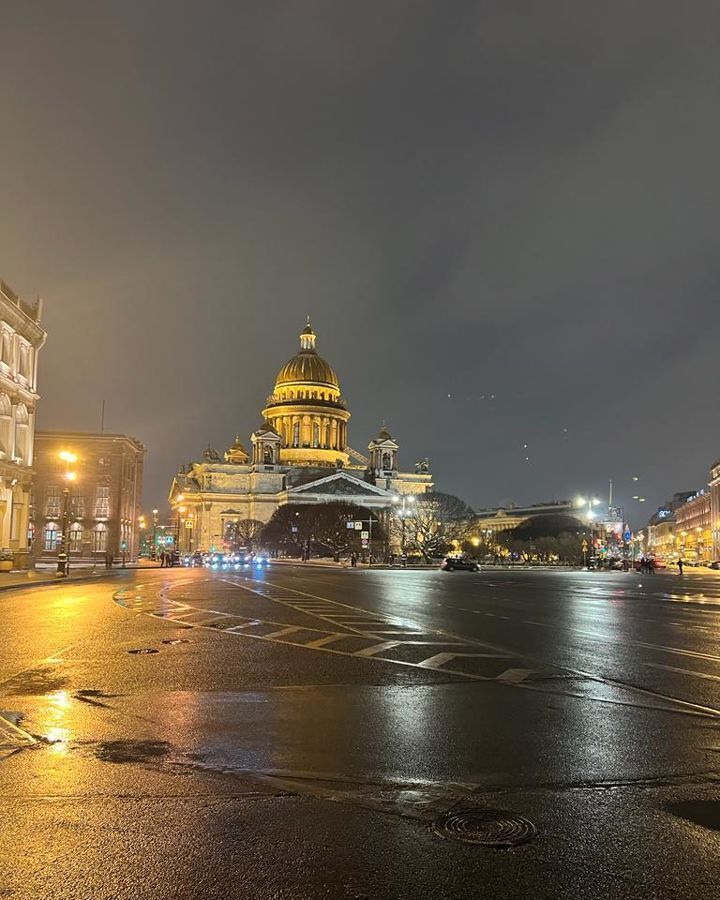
377	648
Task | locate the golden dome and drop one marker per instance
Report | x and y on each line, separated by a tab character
307	365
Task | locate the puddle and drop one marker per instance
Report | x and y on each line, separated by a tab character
701	812
131	751
45	680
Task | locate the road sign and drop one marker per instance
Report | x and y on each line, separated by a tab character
364	545
627	536
364	535
584	545
358	526
351	525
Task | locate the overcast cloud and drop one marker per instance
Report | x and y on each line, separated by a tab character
502	217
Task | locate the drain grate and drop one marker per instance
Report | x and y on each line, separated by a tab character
144	650
489	827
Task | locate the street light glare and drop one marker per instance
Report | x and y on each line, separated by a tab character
580	501
71	476
67	456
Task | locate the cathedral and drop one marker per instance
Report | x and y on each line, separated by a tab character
300	454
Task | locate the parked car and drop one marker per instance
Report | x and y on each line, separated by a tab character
714	565
462	563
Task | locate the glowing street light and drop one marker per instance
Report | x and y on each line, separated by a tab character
63	563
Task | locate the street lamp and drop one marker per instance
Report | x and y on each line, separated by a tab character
403	500
153	551
63	563
587	504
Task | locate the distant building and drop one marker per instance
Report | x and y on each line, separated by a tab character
103	502
715	508
503	518
693	528
299	454
660	531
21	338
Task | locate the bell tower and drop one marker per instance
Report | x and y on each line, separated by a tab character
383	454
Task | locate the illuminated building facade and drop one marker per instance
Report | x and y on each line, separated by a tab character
693	528
21	339
661	528
104	500
299	454
715	508
490	522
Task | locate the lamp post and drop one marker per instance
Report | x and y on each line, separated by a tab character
403	500
587	505
63	563
153	551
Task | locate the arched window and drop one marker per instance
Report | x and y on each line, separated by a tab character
327	436
296	434
21	432
292	395
5	421
76	536
268	456
23	361
99	538
386	461
50	537
316	434
6	347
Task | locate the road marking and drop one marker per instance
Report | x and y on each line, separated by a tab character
291	629
318	645
377	648
690	672
515	676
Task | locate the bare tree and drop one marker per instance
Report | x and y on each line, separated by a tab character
434	524
244	533
323	526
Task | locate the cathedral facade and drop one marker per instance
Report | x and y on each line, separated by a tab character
300	454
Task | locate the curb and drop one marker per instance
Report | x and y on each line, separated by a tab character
31	585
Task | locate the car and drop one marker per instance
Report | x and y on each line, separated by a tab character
461	563
193	559
714	565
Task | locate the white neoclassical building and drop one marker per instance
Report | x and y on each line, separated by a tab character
299	454
21	338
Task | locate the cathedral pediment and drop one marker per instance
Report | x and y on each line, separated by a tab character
339	485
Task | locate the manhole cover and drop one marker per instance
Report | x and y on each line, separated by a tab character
489	827
144	650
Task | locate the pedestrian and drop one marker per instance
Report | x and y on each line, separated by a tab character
108	559
162	559
680	566
353	559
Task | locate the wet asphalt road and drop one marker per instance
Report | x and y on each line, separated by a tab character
296	733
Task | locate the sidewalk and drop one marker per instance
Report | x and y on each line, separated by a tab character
10	581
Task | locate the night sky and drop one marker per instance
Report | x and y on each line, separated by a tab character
502	217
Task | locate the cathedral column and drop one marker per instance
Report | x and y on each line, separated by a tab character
333	434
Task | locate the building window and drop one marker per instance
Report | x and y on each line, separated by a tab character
5	422
102	502
52	501
316	434
50	537
296	434
268	456
75	536
103	463
99	538
21	433
386	462
327	436
6	347
23	361
77	505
